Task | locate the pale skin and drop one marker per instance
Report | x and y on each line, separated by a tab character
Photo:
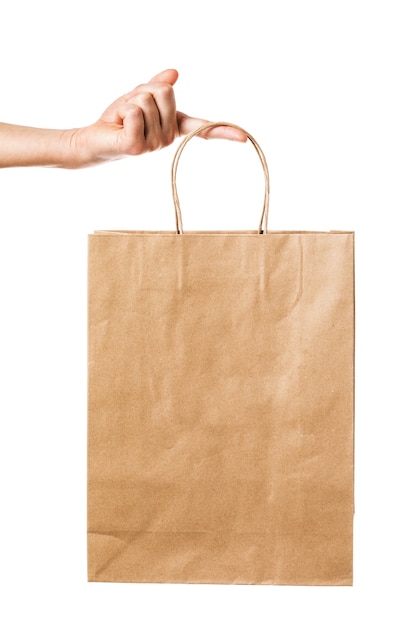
141	121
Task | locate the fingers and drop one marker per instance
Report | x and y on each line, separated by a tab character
167	76
156	99
146	118
132	141
174	123
143	130
188	124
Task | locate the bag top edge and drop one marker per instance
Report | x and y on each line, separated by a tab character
170	233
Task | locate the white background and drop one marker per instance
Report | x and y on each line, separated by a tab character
328	88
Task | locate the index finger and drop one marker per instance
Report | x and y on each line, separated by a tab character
187	124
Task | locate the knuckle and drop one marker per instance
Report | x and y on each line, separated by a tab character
145	98
133	110
133	93
165	89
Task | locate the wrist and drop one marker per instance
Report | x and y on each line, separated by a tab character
74	149
81	147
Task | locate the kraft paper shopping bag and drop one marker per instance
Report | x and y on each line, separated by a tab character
221	404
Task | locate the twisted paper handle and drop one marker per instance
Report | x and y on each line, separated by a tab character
263	224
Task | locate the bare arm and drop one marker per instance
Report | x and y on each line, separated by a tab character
140	121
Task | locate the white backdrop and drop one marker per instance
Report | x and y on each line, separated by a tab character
328	88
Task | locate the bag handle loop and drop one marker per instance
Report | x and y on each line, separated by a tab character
263	224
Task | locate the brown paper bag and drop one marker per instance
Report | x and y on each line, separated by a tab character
221	389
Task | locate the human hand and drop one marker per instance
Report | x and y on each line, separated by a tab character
143	120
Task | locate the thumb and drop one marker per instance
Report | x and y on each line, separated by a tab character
166	76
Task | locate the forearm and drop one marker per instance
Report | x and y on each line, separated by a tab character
22	146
